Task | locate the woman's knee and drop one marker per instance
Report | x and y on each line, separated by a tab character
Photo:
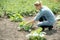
38	24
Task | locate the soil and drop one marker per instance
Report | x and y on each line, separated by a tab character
9	31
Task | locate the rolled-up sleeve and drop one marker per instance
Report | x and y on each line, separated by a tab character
36	18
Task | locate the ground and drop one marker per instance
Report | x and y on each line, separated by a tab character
8	31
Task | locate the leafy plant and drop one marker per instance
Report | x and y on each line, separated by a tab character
26	7
36	38
1	12
9	13
37	30
16	17
20	6
25	27
36	35
55	9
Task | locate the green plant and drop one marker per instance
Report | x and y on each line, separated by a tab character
16	17
36	38
55	9
37	30
26	7
25	27
2	13
36	35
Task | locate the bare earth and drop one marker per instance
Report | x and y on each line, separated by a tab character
8	31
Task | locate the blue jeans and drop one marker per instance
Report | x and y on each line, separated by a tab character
43	23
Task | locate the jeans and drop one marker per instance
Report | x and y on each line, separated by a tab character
43	23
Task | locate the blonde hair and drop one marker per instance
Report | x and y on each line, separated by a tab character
37	2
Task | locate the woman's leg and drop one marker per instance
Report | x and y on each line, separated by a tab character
42	26
45	24
50	28
42	19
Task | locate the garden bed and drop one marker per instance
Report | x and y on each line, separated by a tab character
8	31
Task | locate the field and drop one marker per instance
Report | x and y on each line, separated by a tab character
12	12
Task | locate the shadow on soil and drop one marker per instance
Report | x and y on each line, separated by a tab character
50	32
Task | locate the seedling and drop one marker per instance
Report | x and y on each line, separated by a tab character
16	17
25	27
36	35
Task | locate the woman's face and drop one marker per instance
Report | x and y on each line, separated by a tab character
38	7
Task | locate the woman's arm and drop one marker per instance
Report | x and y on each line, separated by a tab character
31	21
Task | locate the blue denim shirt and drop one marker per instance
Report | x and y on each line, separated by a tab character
45	11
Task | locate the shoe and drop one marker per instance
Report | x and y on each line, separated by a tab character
50	29
43	29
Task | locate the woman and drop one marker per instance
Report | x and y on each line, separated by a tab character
45	16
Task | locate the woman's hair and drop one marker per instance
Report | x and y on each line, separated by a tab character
37	3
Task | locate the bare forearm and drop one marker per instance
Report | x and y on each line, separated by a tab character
32	21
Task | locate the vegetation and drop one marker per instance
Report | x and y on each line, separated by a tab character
17	9
36	35
23	7
26	7
25	27
16	17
